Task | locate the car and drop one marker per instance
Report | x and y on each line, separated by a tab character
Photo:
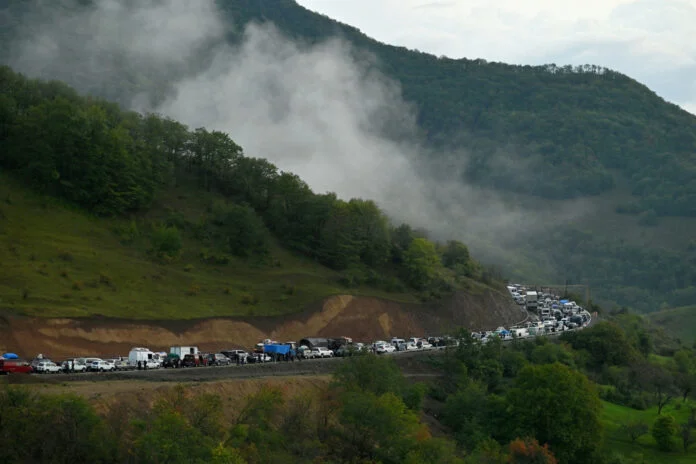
47	367
384	347
101	366
218	359
258	358
321	352
406	346
73	365
15	366
235	355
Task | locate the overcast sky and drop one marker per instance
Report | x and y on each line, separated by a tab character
653	41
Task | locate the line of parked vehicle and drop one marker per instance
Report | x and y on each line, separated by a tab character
553	314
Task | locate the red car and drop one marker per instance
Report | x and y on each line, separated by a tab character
15	366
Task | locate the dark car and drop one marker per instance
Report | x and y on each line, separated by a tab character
190	360
171	360
218	359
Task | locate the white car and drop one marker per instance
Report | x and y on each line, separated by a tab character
47	367
384	348
76	366
322	352
407	346
101	366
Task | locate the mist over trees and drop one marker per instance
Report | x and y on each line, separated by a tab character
114	162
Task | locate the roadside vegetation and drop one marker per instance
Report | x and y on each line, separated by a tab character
137	215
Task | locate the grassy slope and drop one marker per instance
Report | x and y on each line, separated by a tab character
59	262
613	416
680	322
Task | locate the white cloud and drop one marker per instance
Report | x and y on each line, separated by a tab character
652	41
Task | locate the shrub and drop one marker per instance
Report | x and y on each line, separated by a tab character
177	220
104	279
66	256
664	431
193	290
166	242
188	268
77	285
25	294
127	233
250	299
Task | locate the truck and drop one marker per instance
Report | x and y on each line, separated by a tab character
531	299
143	357
184	350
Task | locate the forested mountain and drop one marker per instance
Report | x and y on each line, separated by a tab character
561	132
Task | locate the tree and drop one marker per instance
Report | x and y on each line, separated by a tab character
685	375
421	263
242	229
378	375
605	342
378	427
686	433
656	379
635	430
663	431
558	406
166	241
456	256
529	451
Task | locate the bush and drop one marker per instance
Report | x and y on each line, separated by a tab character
166	242
243	229
104	279
193	290
127	233
250	299
664	431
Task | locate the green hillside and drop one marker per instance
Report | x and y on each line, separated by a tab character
58	261
114	213
680	322
549	134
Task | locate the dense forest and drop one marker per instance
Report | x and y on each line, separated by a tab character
113	162
618	392
550	132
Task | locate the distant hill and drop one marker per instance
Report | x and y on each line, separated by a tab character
563	133
679	322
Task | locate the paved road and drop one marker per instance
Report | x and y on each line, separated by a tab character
407	360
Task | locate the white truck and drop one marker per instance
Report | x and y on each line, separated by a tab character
531	299
143	357
184	350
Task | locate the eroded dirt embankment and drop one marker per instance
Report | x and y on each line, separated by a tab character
362	318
